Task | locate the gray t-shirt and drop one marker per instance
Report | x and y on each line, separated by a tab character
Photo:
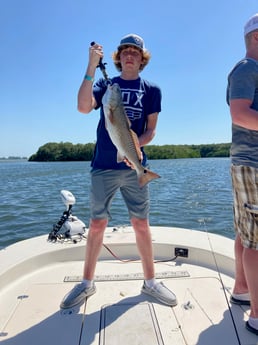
243	83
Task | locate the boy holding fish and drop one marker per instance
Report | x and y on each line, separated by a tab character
119	161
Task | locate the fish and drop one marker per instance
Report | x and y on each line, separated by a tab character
123	137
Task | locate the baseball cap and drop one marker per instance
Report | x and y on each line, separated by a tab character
251	25
132	40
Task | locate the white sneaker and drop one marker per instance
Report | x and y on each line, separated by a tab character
161	293
77	295
240	299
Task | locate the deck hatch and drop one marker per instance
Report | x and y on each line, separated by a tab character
119	324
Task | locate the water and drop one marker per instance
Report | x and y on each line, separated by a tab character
192	193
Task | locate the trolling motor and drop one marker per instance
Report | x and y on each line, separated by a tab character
73	226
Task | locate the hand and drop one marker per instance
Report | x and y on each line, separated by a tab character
128	163
95	54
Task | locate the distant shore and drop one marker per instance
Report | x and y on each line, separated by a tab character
65	151
12	158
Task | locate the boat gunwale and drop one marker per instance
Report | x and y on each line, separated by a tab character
208	250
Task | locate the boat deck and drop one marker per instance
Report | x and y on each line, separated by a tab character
42	273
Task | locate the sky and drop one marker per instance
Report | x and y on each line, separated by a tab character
44	54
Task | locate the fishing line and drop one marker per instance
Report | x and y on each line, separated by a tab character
131	260
135	260
221	281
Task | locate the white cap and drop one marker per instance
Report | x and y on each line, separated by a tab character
251	25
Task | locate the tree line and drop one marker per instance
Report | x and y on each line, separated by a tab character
66	151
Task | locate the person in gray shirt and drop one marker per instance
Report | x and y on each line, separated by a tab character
242	98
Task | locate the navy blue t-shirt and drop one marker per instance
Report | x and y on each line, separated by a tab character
140	98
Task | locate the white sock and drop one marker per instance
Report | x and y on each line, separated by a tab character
87	283
242	296
150	282
253	322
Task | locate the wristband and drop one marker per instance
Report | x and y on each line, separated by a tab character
88	77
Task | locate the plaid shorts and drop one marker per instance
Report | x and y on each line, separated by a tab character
245	194
105	184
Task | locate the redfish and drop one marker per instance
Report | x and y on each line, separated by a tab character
123	137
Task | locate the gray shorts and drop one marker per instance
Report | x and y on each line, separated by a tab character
105	184
245	193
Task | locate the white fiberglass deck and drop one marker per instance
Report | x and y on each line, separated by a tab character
41	273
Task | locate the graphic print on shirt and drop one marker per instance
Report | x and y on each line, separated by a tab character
132	99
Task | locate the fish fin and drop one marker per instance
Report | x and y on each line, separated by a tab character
136	144
129	122
119	158
111	116
146	177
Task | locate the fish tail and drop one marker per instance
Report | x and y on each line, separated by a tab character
146	176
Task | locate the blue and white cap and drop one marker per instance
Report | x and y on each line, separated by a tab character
132	40
251	25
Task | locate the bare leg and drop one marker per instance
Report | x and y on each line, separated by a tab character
144	244
94	243
240	279
93	246
250	260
